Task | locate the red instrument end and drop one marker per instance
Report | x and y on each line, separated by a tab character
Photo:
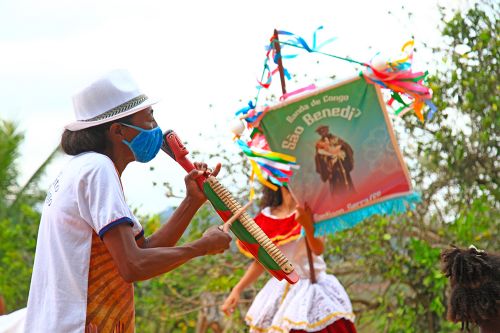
279	274
291	278
173	146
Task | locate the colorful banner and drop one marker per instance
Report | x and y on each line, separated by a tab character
350	164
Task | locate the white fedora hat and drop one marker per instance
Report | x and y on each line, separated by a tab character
112	96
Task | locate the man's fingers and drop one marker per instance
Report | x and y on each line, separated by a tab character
195	173
200	166
212	228
226	227
215	172
203	167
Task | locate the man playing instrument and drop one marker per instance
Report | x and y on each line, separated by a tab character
91	247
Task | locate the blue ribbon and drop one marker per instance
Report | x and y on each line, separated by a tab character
245	110
273	170
433	109
299	41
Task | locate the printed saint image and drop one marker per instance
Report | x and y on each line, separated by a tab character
334	162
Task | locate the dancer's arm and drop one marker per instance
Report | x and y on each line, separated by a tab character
251	275
305	218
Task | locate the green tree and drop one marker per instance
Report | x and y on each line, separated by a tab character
454	164
19	219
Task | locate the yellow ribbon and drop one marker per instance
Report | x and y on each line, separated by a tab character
405	59
256	170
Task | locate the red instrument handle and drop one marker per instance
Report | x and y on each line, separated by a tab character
174	147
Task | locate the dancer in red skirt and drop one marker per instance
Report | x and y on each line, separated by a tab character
307	306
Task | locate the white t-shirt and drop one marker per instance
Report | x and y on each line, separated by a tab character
75	282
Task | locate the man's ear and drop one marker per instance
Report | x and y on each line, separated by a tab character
116	133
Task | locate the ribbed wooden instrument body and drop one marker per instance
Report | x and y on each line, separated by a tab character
249	233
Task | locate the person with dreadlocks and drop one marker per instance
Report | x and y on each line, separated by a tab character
474	277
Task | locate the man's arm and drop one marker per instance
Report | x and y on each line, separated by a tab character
170	233
135	263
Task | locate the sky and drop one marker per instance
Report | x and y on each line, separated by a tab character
200	58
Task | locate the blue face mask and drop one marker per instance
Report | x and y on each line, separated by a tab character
146	144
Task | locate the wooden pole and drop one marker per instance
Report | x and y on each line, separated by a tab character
283	89
277	47
312	273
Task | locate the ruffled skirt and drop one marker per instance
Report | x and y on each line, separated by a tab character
281	307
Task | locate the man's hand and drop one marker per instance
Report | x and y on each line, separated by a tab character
192	189
214	240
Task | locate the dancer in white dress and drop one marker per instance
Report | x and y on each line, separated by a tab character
307	306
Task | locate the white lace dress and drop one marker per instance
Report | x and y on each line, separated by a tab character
280	306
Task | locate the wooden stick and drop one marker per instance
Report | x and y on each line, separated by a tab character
229	222
277	47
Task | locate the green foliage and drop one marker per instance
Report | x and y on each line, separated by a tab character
9	143
18	222
460	146
17	249
454	164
